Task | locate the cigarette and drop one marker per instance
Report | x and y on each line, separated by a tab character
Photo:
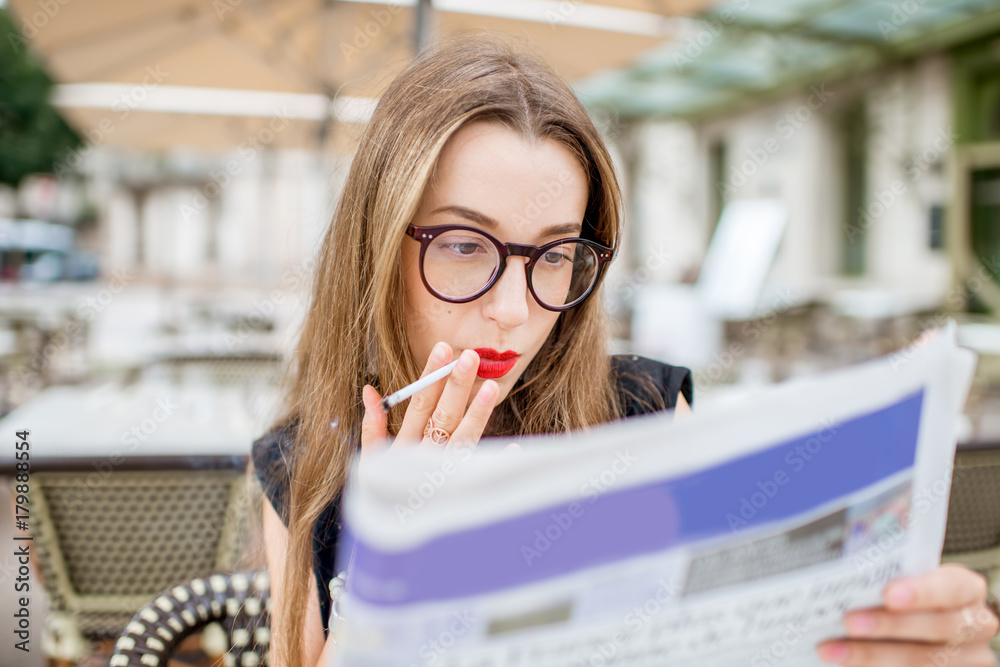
411	389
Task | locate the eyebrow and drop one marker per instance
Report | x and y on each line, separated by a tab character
490	223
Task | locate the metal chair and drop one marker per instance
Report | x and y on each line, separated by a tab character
224	369
972	537
240	601
105	545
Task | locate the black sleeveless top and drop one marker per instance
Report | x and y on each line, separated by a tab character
644	386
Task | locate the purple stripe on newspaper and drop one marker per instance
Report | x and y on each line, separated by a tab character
602	527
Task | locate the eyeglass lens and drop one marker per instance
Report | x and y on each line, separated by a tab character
460	263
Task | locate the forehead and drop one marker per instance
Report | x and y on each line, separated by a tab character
515	180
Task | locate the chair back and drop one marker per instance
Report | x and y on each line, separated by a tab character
972	536
107	543
973	530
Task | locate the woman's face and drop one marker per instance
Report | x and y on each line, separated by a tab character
490	178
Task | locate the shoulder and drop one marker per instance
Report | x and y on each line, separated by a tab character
646	385
272	461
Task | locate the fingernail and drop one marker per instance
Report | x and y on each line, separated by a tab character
366	396
860	624
833	652
466	361
437	354
900	595
487	392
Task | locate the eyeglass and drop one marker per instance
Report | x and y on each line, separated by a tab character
460	263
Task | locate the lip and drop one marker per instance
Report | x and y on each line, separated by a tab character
494	364
490	353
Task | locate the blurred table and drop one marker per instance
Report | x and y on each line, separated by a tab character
149	425
133	488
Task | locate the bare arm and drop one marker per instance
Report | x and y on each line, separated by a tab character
317	652
682	409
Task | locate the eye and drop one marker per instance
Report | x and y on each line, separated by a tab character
464	248
461	245
556	257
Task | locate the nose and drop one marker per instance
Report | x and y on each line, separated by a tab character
507	301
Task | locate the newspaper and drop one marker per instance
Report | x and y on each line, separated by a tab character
737	537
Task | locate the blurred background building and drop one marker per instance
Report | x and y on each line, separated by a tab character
873	126
809	184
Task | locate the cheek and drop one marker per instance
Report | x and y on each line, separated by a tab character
423	313
545	319
428	319
419	313
542	321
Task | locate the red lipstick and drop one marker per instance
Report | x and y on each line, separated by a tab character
494	364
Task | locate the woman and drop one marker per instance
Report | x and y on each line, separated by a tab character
477	219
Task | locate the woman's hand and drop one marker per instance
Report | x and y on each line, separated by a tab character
445	401
939	618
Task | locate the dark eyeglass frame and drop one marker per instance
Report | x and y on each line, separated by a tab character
424	235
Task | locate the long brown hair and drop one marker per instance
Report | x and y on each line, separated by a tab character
355	331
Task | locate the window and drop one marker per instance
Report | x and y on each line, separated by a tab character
853	128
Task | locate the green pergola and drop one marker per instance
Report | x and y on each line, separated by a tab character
743	52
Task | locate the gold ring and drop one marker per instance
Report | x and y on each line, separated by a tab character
438	435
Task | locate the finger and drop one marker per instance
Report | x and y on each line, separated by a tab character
903	654
470	430
948	587
373	425
421	404
931	626
450	407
